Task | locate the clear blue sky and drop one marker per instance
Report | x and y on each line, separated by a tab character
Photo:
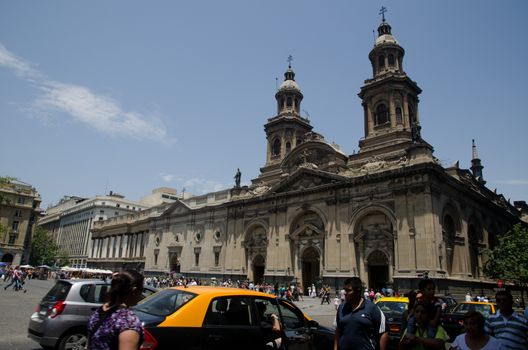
132	95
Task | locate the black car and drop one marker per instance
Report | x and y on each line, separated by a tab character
452	321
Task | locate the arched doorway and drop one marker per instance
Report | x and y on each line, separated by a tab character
258	268
310	262
378	270
175	264
7	258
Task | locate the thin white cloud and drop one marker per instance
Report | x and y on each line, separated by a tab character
100	112
518	182
170	177
194	185
201	186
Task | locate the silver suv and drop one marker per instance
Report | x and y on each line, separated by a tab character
60	319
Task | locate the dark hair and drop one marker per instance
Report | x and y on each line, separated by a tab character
355	283
122	284
477	317
429	309
504	293
424	283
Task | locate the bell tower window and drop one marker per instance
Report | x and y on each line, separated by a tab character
276	147
288	147
398	115
289	102
391	60
382	115
381	62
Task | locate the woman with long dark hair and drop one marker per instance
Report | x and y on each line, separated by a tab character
114	325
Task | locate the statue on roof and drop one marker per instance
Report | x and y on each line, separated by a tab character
237	177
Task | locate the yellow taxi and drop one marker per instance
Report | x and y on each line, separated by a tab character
207	317
393	308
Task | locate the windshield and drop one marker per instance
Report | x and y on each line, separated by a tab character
482	308
165	302
394	306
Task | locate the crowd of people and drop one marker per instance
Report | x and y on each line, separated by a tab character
360	324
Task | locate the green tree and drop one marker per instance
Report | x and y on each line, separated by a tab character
508	260
44	250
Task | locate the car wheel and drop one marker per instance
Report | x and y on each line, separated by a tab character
75	340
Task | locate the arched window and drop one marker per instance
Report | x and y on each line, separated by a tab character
289	102
298	142
382	115
281	104
276	147
398	115
391	60
297	105
381	62
288	147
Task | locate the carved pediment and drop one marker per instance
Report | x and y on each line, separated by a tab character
304	178
177	207
314	155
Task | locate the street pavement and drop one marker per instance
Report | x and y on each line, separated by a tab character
17	307
15	310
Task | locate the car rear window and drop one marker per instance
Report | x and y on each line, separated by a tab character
165	302
59	291
393	306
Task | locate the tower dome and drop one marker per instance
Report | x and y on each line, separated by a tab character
289	94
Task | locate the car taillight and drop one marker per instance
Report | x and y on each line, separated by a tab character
149	342
37	309
57	308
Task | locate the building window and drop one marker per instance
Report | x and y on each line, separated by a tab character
298	142
398	115
288	147
216	258
156	253
21	200
12	238
391	60
18	213
276	147
196	258
116	213
382	115
14	226
381	62
118	205
101	212
289	102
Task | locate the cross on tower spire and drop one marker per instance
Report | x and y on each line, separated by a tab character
290	59
382	13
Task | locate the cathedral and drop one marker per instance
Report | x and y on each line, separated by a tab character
389	214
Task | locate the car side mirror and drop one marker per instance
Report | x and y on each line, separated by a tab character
313	324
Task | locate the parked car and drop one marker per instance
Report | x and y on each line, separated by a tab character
394	309
448	303
202	317
452	321
60	319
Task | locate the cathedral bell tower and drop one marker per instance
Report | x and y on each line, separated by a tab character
389	100
286	130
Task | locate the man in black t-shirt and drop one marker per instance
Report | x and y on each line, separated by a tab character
360	323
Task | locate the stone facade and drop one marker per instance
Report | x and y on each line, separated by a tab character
19	209
387	214
71	220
